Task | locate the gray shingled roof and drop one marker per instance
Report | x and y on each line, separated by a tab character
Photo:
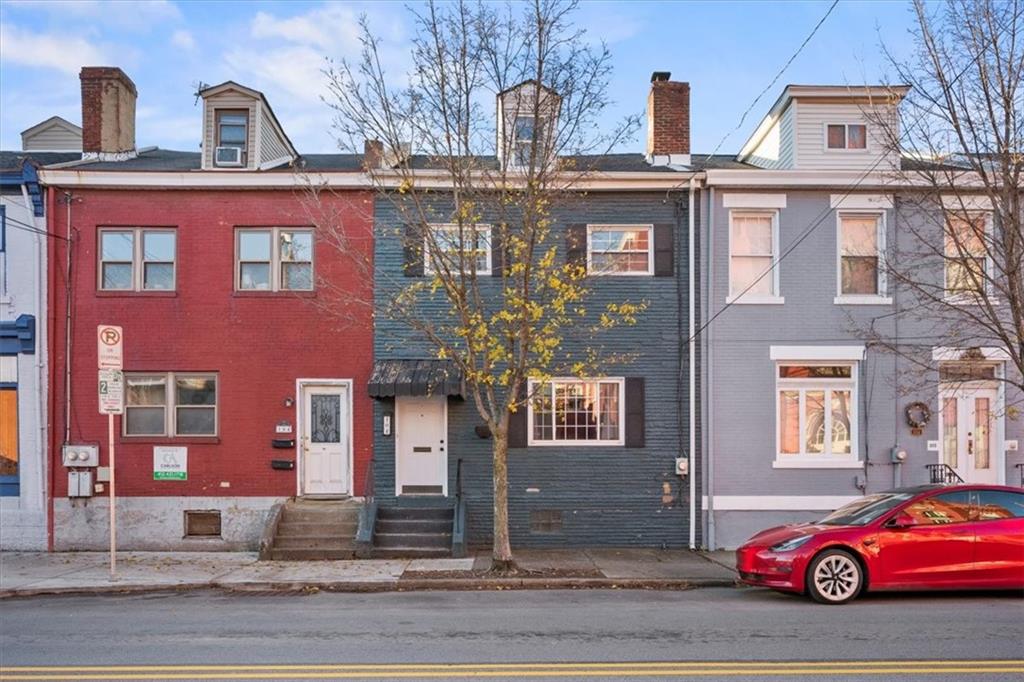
12	160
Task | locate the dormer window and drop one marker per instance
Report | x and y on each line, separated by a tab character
527	129
846	136
232	137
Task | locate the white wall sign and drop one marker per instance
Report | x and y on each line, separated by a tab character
933	446
110	342
170	463
283	427
111	385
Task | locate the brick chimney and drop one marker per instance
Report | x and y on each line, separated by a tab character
373	155
108	114
668	121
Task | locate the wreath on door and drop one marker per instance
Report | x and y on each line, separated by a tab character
918	415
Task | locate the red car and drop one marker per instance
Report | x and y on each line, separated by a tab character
929	537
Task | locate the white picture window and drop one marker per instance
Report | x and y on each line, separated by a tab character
861	245
454	243
620	249
816	414
170	404
968	266
137	259
753	246
577	412
853	136
274	259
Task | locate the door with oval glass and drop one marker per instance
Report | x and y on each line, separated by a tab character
971	433
421	448
325	440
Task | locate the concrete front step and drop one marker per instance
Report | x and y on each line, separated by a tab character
414	526
313	542
319	515
292	528
315	554
419	540
410	553
416	513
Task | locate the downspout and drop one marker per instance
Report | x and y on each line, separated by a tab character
709	363
67	325
692	399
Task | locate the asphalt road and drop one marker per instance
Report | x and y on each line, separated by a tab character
720	634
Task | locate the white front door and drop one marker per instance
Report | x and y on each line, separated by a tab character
971	433
421	447
325	440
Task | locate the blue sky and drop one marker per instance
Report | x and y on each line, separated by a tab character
728	51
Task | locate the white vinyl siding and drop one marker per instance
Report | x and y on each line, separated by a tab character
272	147
228	100
775	151
53	138
812	152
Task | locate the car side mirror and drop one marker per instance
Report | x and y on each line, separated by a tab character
901	521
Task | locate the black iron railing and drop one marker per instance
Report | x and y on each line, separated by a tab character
943	474
1020	470
459	520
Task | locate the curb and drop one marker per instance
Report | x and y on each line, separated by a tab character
399	585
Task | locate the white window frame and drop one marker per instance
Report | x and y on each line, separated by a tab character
244	156
483	229
968	298
845	149
882	297
515	142
275	259
531	390
755	299
170	429
608	227
824	460
138	259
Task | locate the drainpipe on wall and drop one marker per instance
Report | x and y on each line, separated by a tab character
709	363
67	324
692	351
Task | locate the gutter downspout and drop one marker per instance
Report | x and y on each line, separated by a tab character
67	325
692	379
709	363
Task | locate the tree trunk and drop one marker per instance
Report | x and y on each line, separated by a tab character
501	557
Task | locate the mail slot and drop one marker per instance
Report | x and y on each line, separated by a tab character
422	448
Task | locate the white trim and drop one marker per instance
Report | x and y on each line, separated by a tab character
274	163
861	202
997	442
621	441
881	281
955	202
808	462
813	353
399	484
780	502
747	200
953	354
139	261
275	262
849	299
300	421
170	405
755	299
608	227
478	229
749	297
827	386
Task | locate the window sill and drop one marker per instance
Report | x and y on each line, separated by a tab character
105	293
805	463
288	293
173	440
970	300
755	300
619	274
862	300
575	444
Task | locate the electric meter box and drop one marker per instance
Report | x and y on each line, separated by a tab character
81	455
80	483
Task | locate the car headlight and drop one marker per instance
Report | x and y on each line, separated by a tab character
790	545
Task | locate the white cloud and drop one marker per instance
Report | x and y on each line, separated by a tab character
64	53
294	70
127	13
183	39
324	28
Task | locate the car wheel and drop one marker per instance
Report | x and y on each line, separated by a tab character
834	577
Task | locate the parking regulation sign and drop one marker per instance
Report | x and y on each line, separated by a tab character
110	342
111	384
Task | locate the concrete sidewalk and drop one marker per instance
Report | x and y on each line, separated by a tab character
32	573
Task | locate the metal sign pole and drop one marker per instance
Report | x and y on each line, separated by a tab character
113	499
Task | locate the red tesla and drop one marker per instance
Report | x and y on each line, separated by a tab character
929	537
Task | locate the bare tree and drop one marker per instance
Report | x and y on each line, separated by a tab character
958	260
460	183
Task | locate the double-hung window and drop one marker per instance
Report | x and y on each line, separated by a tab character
968	267
137	259
274	259
170	404
852	136
861	244
576	412
456	246
753	248
816	414
526	131
620	249
232	137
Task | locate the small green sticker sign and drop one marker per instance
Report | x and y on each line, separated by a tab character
170	463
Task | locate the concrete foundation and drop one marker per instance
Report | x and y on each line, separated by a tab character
733	528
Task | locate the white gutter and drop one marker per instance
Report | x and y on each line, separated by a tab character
692	351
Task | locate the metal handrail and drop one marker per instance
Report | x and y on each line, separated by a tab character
942	474
459	516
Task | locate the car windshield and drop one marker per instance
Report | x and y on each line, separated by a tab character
865	510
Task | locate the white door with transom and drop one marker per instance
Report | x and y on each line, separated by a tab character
421	448
325	440
971	433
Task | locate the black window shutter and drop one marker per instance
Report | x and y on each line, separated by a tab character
634	412
576	245
413	252
664	260
517	424
498	254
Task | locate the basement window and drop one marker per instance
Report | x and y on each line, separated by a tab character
546	521
202	523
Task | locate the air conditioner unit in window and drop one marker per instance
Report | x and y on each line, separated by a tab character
227	156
